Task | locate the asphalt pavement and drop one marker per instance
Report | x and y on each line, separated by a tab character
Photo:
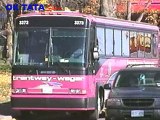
5	110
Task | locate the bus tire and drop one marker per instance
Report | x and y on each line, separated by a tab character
100	103
94	115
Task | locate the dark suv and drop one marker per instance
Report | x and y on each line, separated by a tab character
135	95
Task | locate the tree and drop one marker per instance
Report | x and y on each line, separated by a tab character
143	12
122	9
92	7
108	7
141	15
153	17
8	31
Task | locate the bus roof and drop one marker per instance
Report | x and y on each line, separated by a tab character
99	20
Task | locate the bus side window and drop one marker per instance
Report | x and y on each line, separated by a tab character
140	44
109	42
133	44
125	43
147	45
154	45
101	41
117	42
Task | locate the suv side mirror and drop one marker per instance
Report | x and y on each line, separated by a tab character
95	53
107	86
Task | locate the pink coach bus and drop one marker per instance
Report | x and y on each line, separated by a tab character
63	59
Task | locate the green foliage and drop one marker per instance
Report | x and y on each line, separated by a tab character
5	81
5	68
5	88
5	84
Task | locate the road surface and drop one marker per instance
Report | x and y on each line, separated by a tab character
53	118
5	110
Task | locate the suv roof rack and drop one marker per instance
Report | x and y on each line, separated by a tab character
142	65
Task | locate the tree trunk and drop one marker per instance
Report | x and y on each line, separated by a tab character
108	8
27	1
10	38
9	31
129	11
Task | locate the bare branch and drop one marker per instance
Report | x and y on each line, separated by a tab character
4	36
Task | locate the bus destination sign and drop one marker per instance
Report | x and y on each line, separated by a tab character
47	21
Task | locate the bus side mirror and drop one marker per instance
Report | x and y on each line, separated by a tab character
95	53
107	86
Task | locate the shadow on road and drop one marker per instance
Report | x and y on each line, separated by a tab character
5	109
53	116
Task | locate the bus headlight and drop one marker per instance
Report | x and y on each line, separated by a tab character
113	102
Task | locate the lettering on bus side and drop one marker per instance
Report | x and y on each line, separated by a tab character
70	79
44	78
32	78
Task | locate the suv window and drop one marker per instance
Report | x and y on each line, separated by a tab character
138	78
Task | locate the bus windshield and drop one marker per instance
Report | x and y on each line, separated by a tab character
39	46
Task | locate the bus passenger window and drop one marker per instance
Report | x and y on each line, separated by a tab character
125	43
133	44
101	40
117	42
109	42
154	46
147	45
140	44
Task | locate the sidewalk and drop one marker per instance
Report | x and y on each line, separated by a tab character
4	117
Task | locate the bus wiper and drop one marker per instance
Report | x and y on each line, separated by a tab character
51	47
46	55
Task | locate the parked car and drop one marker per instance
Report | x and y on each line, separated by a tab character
134	94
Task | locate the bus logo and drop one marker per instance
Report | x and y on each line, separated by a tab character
55	84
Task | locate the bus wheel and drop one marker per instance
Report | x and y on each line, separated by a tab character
94	115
